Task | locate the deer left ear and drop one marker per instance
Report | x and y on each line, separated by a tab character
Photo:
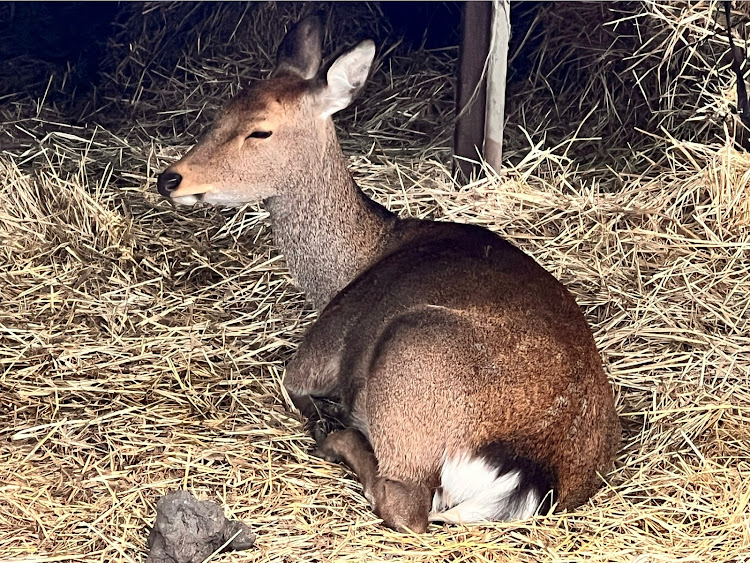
300	50
345	78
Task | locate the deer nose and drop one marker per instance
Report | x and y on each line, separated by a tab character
168	182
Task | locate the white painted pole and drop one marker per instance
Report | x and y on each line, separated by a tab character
497	74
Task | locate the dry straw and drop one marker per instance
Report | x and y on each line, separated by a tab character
142	347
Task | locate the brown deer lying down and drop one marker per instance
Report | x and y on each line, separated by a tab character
469	379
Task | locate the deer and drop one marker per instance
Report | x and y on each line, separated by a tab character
462	378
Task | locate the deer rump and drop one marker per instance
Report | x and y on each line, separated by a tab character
465	374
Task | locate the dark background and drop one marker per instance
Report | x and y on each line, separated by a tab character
41	38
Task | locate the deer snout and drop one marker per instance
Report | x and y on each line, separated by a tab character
168	182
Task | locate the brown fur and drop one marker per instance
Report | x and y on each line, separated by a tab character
437	338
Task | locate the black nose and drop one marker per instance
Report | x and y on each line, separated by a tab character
168	182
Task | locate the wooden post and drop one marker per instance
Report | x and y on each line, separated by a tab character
496	78
472	91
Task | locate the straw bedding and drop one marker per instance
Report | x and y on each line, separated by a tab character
142	347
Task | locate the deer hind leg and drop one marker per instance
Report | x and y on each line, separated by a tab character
402	506
421	421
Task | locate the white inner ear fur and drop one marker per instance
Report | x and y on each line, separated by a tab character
345	77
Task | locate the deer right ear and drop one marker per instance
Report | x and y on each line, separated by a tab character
300	50
345	78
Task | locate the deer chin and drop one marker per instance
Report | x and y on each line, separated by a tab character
228	198
187	200
219	198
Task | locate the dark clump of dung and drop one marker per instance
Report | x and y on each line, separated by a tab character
187	530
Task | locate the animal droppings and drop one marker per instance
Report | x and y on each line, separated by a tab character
188	530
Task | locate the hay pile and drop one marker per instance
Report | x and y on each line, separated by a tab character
142	347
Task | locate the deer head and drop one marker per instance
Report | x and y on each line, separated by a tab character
275	130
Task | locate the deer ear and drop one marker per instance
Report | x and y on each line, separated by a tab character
345	78
299	52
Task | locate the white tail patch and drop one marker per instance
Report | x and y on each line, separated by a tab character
474	490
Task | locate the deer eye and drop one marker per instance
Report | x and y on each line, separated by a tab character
259	135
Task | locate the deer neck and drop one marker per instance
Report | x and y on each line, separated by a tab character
326	228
